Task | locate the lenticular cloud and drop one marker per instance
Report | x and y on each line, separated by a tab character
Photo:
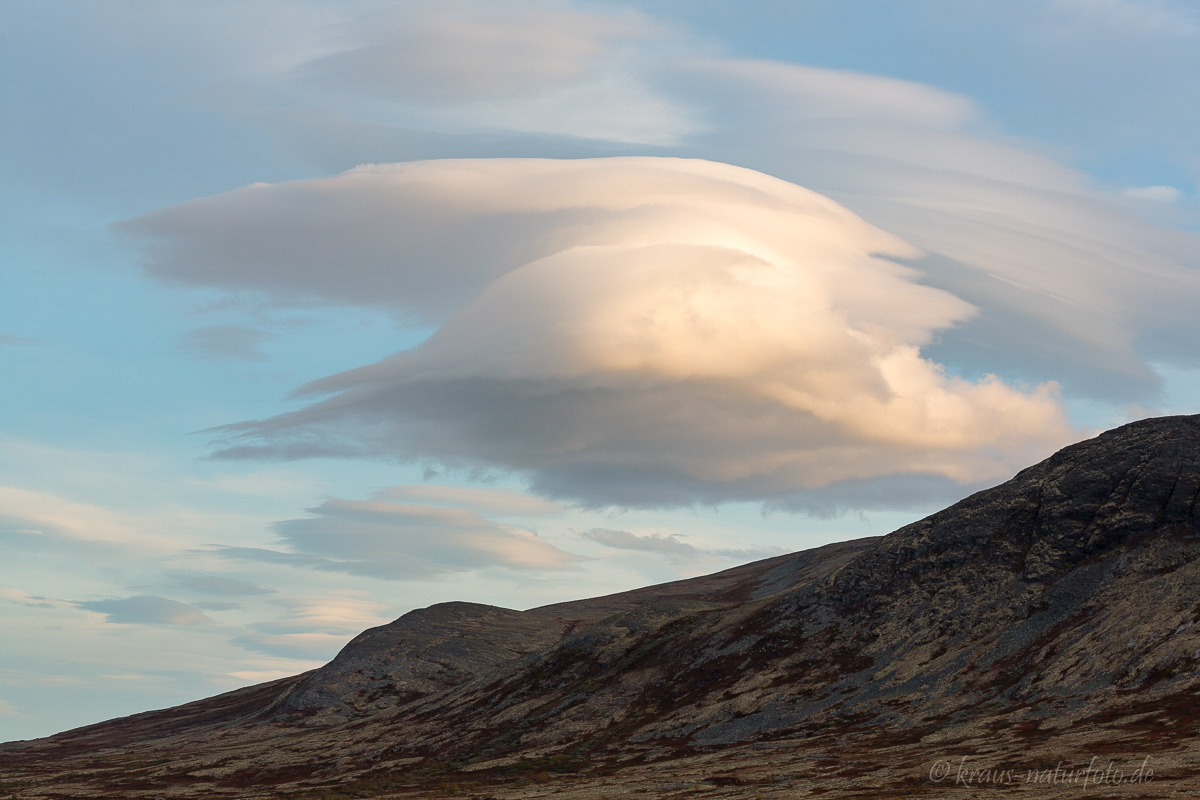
629	331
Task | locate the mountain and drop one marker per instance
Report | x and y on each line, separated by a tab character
1025	634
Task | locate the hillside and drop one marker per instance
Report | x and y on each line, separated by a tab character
1045	622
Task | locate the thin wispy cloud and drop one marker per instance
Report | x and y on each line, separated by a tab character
1156	194
669	545
41	520
220	585
1126	17
226	343
495	502
467	51
392	541
147	610
311	626
538	68
24	598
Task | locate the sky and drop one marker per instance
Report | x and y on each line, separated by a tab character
314	313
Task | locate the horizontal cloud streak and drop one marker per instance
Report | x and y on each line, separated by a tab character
381	539
670	545
647	543
40	520
147	610
458	52
219	585
225	343
488	501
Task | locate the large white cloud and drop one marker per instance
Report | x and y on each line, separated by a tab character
638	331
1046	279
1071	285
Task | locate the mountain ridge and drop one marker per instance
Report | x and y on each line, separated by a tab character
1055	610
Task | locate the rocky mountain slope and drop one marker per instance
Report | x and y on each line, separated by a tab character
1048	621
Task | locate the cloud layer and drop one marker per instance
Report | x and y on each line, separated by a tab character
459	52
670	545
225	343
313	627
147	610
632	331
381	539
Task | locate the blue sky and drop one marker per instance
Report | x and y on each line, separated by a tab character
674	286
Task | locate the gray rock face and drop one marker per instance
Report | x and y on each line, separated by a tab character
423	652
